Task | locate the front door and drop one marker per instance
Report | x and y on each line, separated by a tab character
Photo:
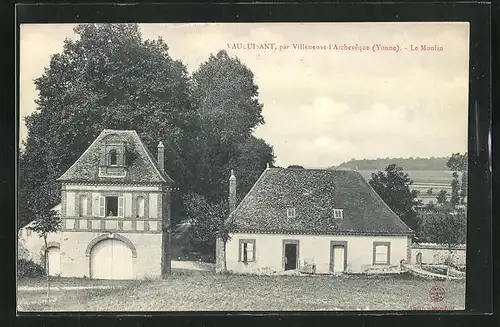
290	256
338	258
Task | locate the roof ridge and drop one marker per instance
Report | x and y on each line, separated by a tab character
231	214
153	161
82	155
118	130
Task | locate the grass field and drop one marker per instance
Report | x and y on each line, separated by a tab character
197	291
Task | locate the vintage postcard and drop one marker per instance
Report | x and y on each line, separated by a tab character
243	167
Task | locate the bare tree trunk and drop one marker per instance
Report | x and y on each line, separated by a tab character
47	270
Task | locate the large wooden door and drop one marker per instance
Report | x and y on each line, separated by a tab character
54	259
111	259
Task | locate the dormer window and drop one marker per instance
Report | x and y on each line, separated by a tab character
338	213
113	158
290	212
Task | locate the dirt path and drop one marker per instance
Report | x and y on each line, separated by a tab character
193	265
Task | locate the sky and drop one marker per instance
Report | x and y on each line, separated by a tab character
321	107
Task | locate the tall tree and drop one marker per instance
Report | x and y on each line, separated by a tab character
455	185
458	163
107	78
225	98
393	186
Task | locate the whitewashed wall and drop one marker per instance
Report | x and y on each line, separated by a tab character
437	254
312	248
31	247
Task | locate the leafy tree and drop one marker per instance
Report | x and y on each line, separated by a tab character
442	197
429	191
253	156
445	225
458	163
393	186
209	221
46	222
455	185
108	78
225	98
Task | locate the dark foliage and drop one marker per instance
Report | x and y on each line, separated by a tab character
393	186
29	269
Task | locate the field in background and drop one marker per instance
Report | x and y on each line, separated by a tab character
421	176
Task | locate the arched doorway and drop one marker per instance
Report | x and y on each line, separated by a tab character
54	259
111	258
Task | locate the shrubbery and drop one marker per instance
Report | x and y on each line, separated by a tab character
29	269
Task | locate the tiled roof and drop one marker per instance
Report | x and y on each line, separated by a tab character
314	193
142	169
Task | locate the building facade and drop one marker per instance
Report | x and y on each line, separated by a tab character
313	221
115	212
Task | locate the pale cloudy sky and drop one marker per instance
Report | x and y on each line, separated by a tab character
321	107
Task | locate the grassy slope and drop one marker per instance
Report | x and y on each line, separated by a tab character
204	291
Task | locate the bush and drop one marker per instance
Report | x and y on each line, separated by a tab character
29	269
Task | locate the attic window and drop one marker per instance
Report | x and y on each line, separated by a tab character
112	158
338	213
290	212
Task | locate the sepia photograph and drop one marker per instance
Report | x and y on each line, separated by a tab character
242	167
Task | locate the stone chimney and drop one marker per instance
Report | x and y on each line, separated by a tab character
232	192
161	156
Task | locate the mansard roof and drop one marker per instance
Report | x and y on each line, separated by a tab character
141	166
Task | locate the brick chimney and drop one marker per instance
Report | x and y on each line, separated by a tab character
232	192
161	156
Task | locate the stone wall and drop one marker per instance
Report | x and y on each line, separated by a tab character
437	254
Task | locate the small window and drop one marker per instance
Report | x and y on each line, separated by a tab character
247	251
112	157
290	212
381	253
111	206
28	232
338	213
83	206
140	207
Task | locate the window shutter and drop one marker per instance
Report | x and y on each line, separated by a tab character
120	206
250	251
101	206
